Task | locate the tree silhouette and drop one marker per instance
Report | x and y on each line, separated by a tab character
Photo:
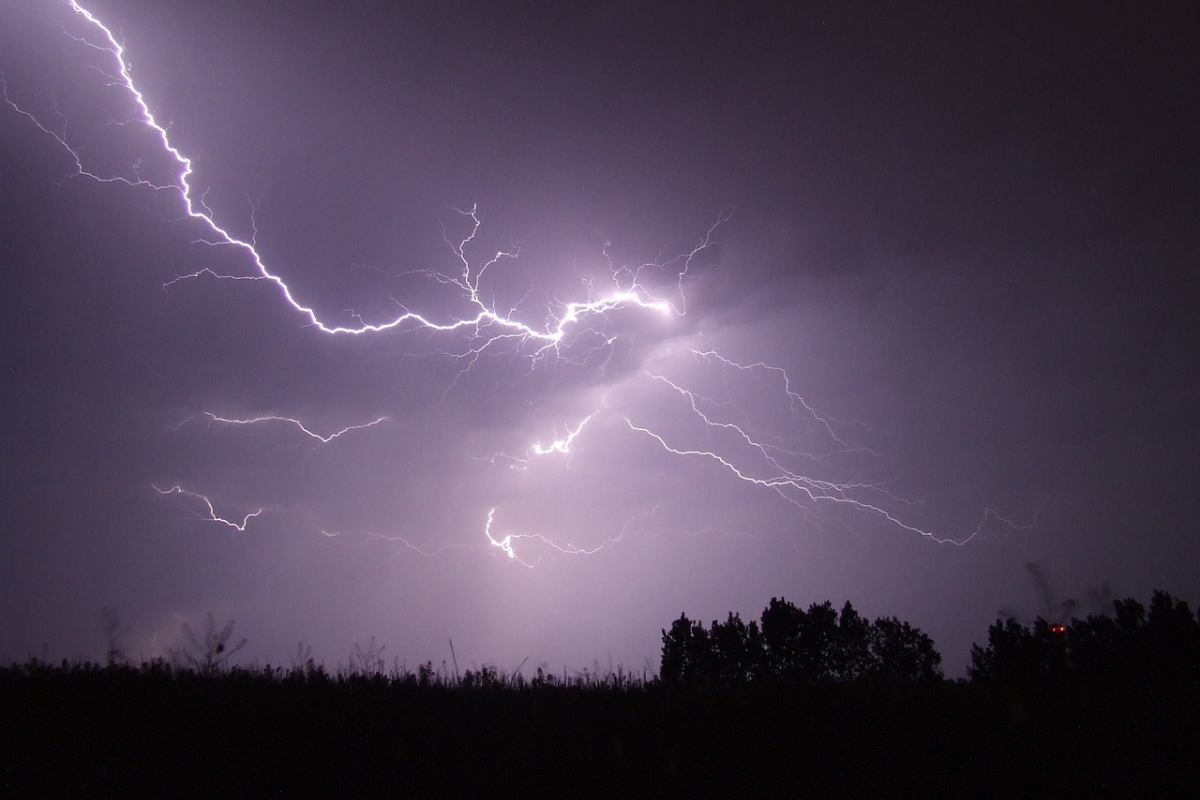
686	652
854	659
736	650
782	624
902	654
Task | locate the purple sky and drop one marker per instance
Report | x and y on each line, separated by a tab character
968	239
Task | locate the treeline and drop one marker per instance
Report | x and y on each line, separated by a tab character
822	646
786	646
794	646
1158	647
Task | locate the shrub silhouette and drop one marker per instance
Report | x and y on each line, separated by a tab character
211	652
794	646
114	651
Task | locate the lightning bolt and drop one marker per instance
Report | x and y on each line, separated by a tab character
562	445
487	326
513	462
418	550
322	438
505	543
799	406
240	527
796	488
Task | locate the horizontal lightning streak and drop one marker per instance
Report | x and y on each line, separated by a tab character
794	399
240	527
778	484
761	447
322	438
420	551
505	543
798	489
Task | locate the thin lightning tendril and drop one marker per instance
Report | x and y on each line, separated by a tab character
322	438
240	527
505	543
409	545
798	489
794	400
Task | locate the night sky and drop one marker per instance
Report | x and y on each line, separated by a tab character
967	236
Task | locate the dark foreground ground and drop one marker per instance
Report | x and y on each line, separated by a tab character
90	732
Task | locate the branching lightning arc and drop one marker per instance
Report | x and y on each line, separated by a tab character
505	542
240	527
802	490
321	438
486	327
485	317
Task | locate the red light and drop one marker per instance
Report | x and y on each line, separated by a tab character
1059	629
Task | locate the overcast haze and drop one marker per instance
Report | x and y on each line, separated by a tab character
969	237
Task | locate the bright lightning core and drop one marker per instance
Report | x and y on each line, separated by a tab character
562	445
486	325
